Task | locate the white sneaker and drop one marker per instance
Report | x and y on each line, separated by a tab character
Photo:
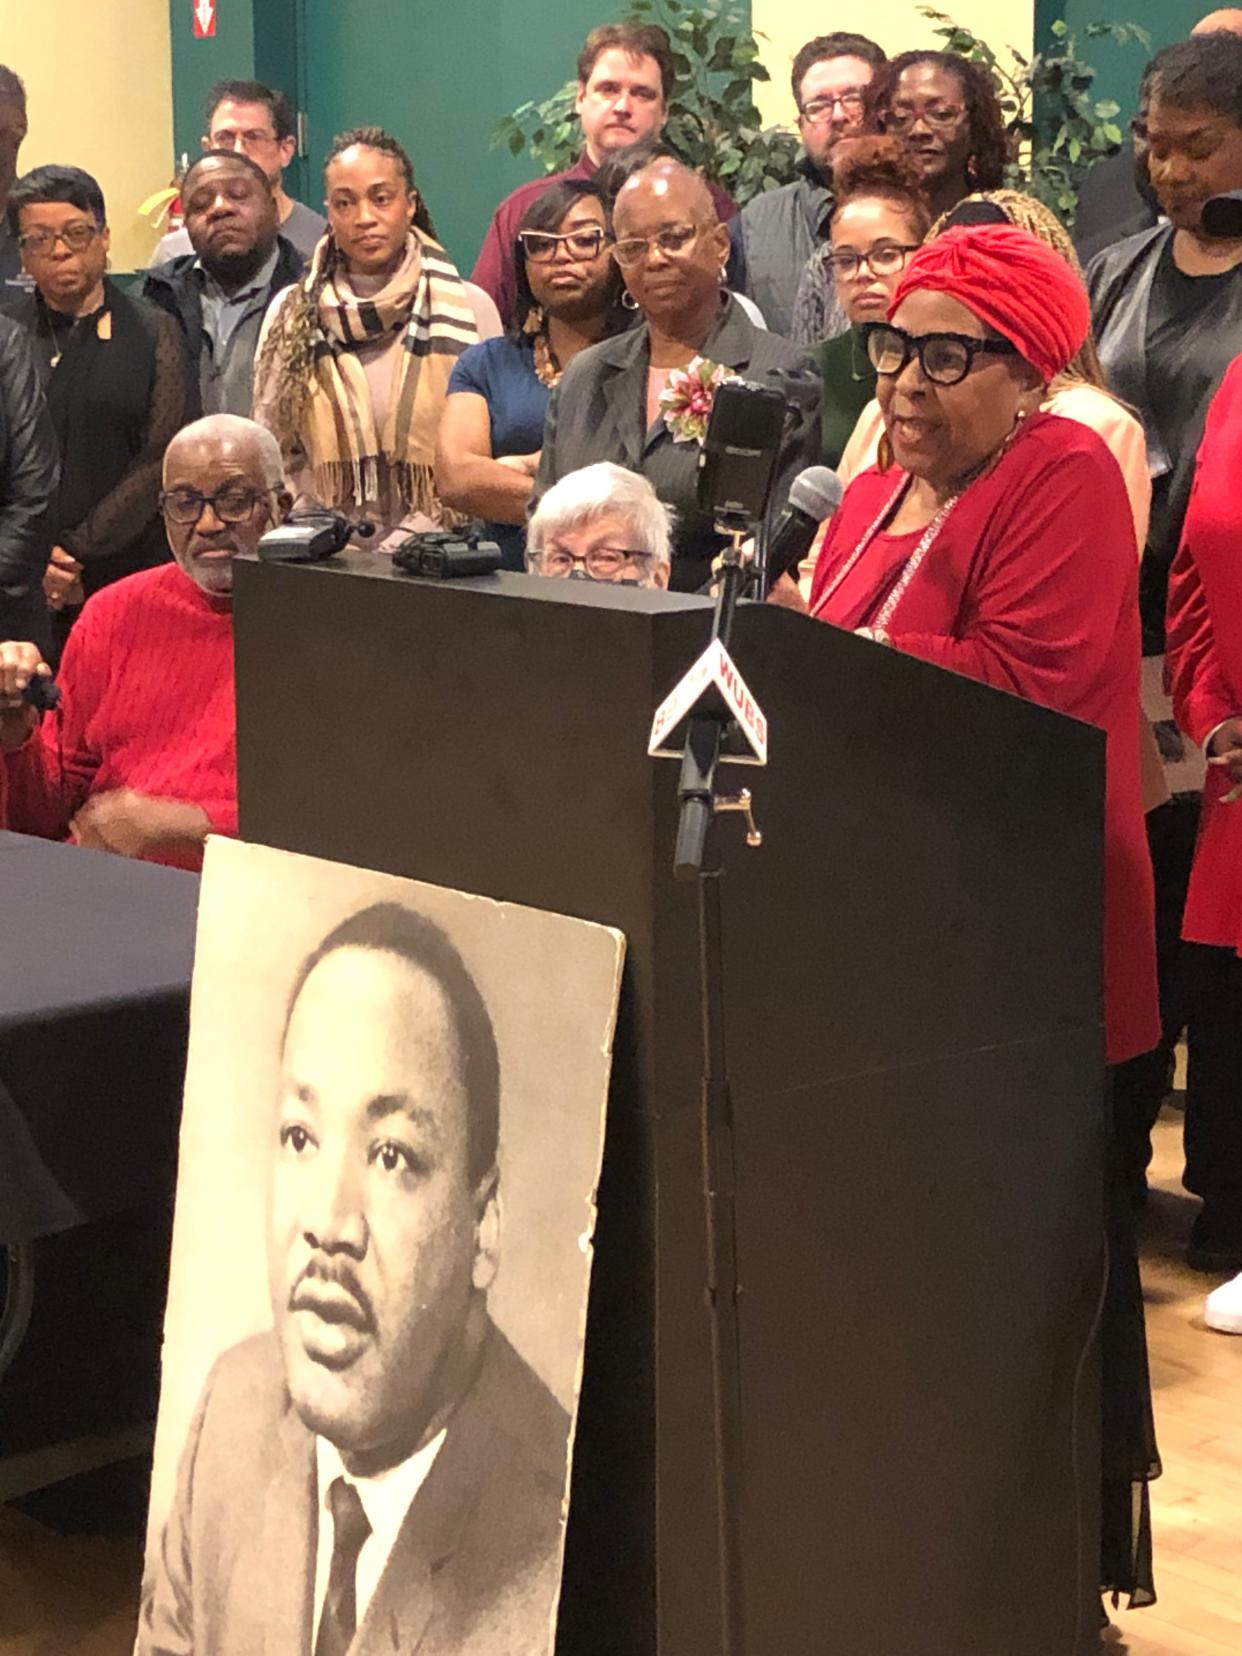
1223	1308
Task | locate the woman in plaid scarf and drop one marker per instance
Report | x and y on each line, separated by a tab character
354	362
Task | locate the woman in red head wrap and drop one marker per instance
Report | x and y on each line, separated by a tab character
998	541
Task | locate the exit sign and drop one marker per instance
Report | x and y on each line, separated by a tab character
204	18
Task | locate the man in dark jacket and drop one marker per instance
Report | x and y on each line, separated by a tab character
778	231
28	475
221	291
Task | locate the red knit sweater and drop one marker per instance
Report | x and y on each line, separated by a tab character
147	703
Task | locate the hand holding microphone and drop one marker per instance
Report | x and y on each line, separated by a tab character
26	689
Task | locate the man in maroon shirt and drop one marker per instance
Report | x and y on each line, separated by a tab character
140	758
625	80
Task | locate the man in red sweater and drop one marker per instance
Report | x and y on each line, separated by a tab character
625	80
141	756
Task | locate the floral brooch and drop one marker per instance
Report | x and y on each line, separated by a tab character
686	401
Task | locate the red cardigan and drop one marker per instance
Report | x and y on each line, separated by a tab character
147	703
1031	586
1204	644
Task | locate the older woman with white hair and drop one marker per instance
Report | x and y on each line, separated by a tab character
602	523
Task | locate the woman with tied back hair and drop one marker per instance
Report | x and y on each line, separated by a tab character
568	297
880	217
354	361
947	111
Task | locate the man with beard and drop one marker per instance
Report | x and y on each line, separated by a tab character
221	291
259	122
779	230
141	756
382	1472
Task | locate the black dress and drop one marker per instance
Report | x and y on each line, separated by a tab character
118	387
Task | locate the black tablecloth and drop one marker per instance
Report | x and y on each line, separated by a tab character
94	997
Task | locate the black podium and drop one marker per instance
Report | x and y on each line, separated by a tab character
912	970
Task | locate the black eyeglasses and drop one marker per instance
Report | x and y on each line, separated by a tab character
945	358
232	503
541	245
75	237
849	102
885	260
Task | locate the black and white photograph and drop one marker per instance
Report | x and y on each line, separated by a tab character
390	1147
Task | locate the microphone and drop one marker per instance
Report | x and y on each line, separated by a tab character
814	496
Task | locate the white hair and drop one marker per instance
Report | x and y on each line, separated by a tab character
597	491
236	428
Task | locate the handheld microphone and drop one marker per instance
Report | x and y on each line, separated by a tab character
1222	215
42	693
814	496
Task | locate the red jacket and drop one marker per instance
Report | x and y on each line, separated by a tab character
1031	586
1204	644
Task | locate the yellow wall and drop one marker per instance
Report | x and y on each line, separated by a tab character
98	77
894	24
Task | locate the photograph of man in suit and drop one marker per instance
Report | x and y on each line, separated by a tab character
382	1471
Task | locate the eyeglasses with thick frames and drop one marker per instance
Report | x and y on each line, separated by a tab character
672	240
939	117
601	563
850	102
945	358
232	503
885	260
542	246
42	241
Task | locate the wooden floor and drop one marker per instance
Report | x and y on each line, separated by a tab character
1197	1383
75	1596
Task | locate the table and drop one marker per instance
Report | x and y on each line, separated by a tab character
94	996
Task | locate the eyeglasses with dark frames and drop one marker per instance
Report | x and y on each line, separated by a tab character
75	237
542	246
850	102
885	260
232	503
945	358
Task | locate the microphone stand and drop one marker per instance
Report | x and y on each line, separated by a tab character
699	804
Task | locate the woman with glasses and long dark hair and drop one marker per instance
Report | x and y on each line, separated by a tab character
117	384
998	541
568	297
643	398
946	110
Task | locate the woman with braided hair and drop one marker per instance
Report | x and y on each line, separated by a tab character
947	112
354	361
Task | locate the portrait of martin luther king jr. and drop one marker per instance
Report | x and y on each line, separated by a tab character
380	1472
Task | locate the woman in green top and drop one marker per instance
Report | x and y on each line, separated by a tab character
879	219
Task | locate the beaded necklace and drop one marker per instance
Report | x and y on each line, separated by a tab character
879	630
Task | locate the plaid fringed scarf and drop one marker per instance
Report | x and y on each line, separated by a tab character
426	303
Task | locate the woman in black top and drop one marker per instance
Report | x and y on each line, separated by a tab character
117	385
1167	305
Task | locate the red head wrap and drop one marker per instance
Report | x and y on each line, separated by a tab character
1014	283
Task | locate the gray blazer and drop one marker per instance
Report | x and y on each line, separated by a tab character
475	1567
598	412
